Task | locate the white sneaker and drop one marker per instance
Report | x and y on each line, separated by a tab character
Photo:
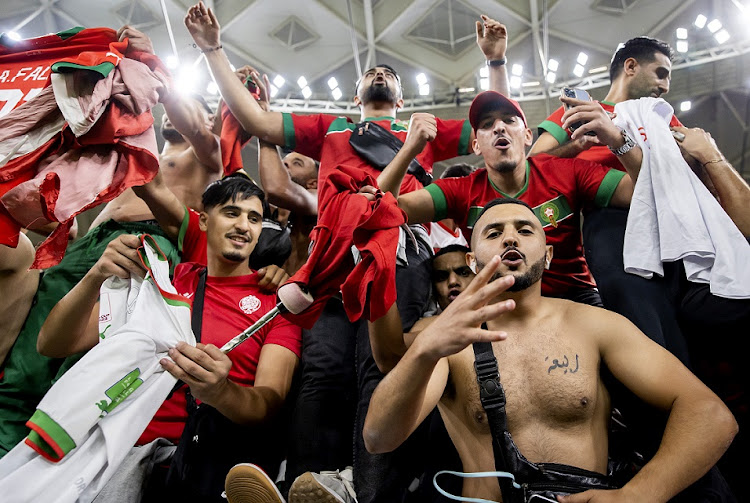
247	483
324	487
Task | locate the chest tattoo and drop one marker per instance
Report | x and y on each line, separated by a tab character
565	364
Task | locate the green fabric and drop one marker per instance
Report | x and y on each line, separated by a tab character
103	69
28	375
555	130
66	34
290	141
607	187
558	208
56	433
438	200
183	229
463	140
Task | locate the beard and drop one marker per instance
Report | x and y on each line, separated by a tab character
171	135
505	167
524	280
234	257
381	93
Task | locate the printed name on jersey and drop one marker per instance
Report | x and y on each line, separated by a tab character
249	304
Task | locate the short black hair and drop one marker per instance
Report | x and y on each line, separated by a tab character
450	249
389	67
231	187
498	201
642	49
458	170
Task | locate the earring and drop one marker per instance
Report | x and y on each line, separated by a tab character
473	266
547	264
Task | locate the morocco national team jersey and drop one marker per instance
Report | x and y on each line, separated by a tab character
598	153
231	304
326	139
556	189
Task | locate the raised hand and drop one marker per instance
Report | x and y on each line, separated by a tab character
492	38
422	128
203	367
120	259
203	26
137	40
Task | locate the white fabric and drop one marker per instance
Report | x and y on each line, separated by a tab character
149	326
441	237
673	216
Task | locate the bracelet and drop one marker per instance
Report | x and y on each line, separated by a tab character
713	161
211	49
496	62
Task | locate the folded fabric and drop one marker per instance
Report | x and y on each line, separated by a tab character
88	421
233	138
673	216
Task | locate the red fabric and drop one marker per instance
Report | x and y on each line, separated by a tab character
193	243
231	141
549	177
118	129
231	304
369	288
598	153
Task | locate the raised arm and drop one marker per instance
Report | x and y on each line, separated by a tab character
700	427
732	189
206	369
492	39
167	209
412	389
546	143
72	325
203	26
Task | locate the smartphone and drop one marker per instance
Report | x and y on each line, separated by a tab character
678	136
252	87
579	94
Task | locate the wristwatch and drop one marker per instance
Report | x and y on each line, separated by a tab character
626	147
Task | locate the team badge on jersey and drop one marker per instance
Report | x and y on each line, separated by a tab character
550	212
250	304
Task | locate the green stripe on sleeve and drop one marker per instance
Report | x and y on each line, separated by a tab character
463	140
290	141
183	230
439	201
607	187
555	130
40	445
58	437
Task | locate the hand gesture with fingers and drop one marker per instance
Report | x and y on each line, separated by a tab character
203	26
593	118
120	259
203	367
492	38
137	40
460	324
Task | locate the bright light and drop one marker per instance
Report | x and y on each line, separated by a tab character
530	84
551	76
517	70
682	46
212	88
337	94
274	91
553	65
700	21
278	81
515	81
685	106
14	35
722	36
185	81
421	79
172	62
424	90
682	33
714	26
598	69
333	83
484	72
578	71
484	84
582	58
306	92
466	89
302	82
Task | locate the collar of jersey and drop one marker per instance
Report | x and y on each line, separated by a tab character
523	189
608	103
383	118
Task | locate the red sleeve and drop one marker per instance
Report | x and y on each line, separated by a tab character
595	183
285	334
675	121
452	139
305	133
553	126
450	197
191	240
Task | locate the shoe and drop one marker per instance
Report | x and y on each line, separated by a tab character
247	483
324	487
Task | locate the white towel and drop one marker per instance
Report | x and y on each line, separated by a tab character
95	413
673	216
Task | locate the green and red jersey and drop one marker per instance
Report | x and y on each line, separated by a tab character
326	139
598	153
556	189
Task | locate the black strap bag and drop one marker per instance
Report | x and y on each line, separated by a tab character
378	146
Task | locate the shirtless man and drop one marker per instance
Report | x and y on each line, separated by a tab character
18	285
189	161
554	414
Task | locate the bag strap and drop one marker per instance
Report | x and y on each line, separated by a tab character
492	397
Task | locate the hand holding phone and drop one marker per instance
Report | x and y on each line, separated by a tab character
579	94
